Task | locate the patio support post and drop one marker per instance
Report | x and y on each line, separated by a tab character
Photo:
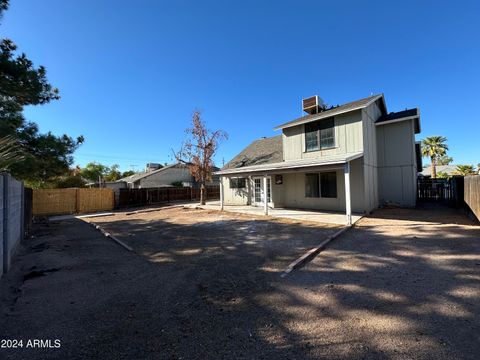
221	193
265	194
348	201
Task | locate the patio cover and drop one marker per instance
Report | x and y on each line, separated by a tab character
293	165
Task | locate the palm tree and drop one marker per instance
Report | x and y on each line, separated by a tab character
10	152
434	147
465	170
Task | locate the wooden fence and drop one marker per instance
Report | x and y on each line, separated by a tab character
149	196
472	194
71	201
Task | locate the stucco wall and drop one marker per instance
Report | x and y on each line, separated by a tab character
397	163
348	138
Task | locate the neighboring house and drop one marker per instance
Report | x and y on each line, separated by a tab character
165	176
356	156
450	170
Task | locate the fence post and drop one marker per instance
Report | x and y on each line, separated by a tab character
5	221
77	200
22	211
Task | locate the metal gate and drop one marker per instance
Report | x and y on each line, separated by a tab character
441	190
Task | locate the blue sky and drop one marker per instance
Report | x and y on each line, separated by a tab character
130	73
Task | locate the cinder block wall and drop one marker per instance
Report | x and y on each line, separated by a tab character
1	225
11	218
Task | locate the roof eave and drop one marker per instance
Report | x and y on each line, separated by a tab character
272	168
415	118
324	115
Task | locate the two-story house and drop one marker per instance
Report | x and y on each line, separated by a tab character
353	157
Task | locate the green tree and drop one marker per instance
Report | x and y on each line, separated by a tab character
128	173
113	174
434	147
442	175
10	152
465	170
45	156
444	160
94	171
70	181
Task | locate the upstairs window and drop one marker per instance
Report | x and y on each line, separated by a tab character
320	135
237	183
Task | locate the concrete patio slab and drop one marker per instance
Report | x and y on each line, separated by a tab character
325	217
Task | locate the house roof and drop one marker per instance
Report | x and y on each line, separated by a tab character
448	169
407	114
293	165
138	176
351	106
262	151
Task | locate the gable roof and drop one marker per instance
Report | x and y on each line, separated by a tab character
262	151
351	106
448	169
138	176
407	114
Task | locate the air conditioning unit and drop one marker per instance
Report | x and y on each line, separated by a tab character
312	104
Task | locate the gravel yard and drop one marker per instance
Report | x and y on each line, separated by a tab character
203	284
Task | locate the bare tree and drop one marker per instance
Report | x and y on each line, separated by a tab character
198	149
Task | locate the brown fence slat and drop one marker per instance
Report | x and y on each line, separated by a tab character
472	194
149	196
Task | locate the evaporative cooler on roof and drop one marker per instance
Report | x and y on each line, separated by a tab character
312	104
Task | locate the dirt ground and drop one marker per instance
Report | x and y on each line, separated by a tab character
201	284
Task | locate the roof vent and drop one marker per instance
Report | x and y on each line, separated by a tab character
152	167
312	104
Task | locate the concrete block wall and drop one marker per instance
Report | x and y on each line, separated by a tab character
1	225
11	218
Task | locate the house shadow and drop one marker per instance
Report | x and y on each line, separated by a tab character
432	212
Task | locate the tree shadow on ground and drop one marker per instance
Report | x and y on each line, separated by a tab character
407	290
209	287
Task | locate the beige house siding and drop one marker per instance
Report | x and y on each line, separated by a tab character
370	158
236	196
291	193
385	174
348	138
397	163
294	191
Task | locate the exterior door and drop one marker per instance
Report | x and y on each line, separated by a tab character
259	191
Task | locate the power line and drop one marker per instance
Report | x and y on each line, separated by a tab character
85	155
